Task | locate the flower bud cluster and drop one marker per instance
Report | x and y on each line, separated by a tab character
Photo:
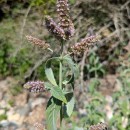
54	28
84	44
38	42
65	21
65	28
99	126
35	86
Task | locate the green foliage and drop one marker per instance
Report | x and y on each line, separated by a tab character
94	68
4	58
59	94
70	103
53	108
93	85
61	74
3	117
11	103
95	108
16	90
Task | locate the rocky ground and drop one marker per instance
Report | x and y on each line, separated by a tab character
23	111
26	111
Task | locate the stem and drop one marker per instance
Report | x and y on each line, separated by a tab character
62	47
50	49
60	72
60	85
60	75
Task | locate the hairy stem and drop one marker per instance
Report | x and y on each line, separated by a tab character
60	75
62	47
60	85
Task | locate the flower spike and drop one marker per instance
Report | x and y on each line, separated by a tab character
65	21
54	28
99	126
35	86
38	42
84	44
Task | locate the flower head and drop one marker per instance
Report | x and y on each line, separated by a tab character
38	42
99	126
54	28
84	44
65	21
35	86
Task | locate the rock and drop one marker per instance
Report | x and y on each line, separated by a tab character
7	83
38	101
6	125
37	115
109	99
108	111
1	95
23	111
4	104
15	117
21	99
2	111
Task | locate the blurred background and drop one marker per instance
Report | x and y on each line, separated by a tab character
102	90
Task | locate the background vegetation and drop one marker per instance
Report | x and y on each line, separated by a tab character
103	87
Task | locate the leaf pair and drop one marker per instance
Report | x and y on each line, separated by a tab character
56	109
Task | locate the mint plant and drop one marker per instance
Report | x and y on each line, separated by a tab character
61	87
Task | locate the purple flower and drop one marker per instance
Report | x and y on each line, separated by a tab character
99	126
54	28
38	42
65	21
85	44
35	86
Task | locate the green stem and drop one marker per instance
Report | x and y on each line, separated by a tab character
60	85
62	47
60	72
60	75
50	49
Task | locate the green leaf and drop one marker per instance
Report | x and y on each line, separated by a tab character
53	108
58	94
65	82
74	68
78	128
70	106
48	85
96	61
72	65
103	71
50	76
67	109
93	69
91	59
49	72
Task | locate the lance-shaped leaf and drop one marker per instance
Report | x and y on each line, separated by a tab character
53	108
58	94
50	76
74	68
49	72
68	108
70	103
